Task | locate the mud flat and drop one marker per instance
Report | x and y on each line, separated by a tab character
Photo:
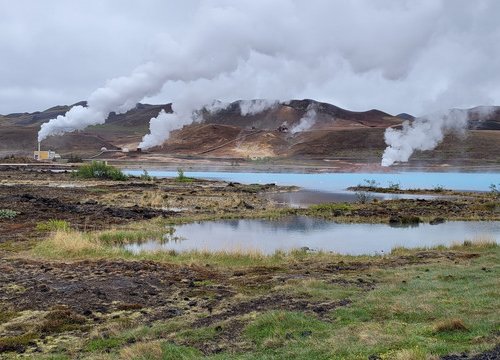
68	291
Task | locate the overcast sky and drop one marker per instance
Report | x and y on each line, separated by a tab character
394	55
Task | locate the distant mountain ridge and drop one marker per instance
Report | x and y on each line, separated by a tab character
335	131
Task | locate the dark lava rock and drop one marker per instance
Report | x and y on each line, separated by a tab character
493	354
394	220
437	221
248	205
172	312
404	220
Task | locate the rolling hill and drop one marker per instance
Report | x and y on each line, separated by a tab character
226	133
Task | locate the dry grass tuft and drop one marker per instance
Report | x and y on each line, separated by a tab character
68	243
61	320
73	241
481	241
144	350
450	325
478	242
153	199
412	354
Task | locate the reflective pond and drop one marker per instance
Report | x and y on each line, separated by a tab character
268	236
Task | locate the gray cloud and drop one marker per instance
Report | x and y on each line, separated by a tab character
394	55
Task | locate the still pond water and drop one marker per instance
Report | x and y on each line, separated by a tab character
297	232
268	236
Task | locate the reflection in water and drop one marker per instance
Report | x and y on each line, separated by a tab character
319	188
409	225
304	198
268	236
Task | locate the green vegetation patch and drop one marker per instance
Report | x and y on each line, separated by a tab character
53	225
116	237
8	214
197	335
172	351
104	344
183	178
99	170
275	328
333	208
439	309
145	176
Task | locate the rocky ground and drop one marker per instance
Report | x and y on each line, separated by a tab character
104	307
39	195
83	295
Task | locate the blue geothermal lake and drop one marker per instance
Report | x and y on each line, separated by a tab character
335	182
338	182
268	236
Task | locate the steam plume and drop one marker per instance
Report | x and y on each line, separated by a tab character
161	126
307	121
425	133
252	107
286	49
119	95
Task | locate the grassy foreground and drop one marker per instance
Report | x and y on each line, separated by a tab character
67	294
410	304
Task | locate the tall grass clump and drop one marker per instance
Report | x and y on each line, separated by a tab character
69	244
495	190
145	176
99	170
53	225
480	241
181	177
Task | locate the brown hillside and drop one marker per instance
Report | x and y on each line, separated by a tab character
336	133
198	138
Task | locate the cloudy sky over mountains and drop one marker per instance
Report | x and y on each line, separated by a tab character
394	55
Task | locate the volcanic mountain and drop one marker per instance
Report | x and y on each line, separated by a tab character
335	133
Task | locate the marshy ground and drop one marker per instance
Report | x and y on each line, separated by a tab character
67	290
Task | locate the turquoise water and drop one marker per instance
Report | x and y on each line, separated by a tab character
268	236
338	182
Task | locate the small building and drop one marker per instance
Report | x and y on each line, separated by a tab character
45	155
282	129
